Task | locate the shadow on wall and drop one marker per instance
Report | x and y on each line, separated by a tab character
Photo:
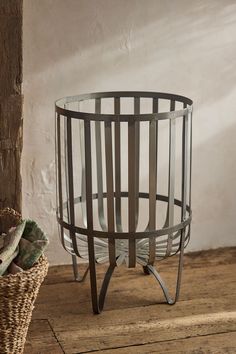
75	46
214	191
101	39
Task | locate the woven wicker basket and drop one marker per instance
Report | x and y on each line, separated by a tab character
18	293
17	296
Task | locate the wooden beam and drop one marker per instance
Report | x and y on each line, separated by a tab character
10	102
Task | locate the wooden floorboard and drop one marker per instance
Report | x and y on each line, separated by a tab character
135	317
224	343
41	339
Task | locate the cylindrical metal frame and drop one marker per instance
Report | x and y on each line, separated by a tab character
111	231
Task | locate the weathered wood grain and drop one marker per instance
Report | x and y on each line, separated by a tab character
10	102
135	315
192	260
130	284
143	332
213	344
41	339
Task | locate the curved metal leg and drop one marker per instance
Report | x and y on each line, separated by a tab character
77	276
151	269
98	301
105	285
180	266
162	284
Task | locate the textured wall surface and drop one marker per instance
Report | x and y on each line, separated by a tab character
182	46
10	102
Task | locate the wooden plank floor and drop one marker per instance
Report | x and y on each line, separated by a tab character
135	317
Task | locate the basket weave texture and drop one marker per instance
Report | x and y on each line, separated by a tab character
18	293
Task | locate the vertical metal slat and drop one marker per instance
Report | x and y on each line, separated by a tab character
153	136
99	167
89	209
185	133
131	190
190	160
171	183
117	167
70	182
58	136
83	182
190	157
137	147
66	166
110	192
88	174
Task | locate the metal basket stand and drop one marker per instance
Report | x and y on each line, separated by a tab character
93	140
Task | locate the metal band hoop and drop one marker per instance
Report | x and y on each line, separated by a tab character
90	206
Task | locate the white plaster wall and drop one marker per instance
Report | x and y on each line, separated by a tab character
180	46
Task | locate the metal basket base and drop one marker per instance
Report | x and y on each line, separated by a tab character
98	298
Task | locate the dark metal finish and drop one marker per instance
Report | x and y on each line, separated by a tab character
110	193
153	143
97	230
99	166
132	190
59	174
117	167
171	184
